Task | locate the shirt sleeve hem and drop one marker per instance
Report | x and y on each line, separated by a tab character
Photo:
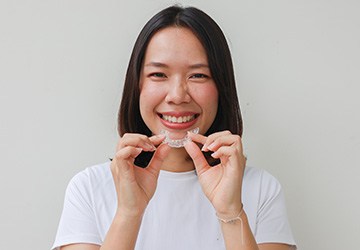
89	239
283	239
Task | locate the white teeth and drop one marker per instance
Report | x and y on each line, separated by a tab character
181	119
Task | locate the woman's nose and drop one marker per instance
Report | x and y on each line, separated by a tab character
178	92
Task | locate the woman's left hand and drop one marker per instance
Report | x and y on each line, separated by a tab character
221	183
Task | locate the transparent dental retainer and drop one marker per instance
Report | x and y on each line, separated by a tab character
177	140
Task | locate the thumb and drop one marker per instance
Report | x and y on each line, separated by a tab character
158	158
197	156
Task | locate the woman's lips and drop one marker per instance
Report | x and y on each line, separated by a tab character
178	120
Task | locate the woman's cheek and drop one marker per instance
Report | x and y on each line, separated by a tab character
207	96
151	95
152	89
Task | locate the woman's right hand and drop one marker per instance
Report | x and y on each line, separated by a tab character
135	186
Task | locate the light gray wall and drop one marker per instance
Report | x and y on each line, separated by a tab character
62	65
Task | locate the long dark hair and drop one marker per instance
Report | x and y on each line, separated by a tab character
220	63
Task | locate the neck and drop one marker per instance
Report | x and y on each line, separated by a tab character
178	160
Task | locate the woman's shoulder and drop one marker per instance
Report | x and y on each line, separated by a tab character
261	180
258	174
93	175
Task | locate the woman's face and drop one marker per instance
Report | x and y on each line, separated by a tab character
177	92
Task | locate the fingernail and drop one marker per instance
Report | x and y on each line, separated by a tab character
211	146
160	137
213	155
150	146
139	150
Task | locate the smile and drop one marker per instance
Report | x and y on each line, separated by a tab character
179	119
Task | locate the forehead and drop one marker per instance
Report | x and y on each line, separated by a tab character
173	43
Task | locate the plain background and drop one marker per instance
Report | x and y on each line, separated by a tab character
62	65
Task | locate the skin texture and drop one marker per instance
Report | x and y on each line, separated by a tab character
176	80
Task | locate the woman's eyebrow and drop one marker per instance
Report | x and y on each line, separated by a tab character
198	65
156	64
163	65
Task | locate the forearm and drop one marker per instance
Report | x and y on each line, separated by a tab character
238	235
122	233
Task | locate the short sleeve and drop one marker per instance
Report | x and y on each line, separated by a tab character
77	223
272	221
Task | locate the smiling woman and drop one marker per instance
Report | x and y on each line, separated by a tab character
180	80
177	91
217	64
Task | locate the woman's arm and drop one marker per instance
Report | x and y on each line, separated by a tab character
275	246
134	187
238	235
235	232
231	236
122	235
222	185
80	247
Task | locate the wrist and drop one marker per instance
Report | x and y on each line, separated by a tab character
129	214
230	211
231	216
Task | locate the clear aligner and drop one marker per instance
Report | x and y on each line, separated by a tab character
177	143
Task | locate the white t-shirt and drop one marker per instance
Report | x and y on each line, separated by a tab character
178	217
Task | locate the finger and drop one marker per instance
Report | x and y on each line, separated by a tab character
226	140
197	156
128	153
136	140
157	139
197	138
158	159
230	154
120	164
206	141
213	137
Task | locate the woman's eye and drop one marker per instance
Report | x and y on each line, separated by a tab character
199	76
158	75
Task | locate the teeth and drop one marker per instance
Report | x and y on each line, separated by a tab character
181	119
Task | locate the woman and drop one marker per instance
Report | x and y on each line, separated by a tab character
198	195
